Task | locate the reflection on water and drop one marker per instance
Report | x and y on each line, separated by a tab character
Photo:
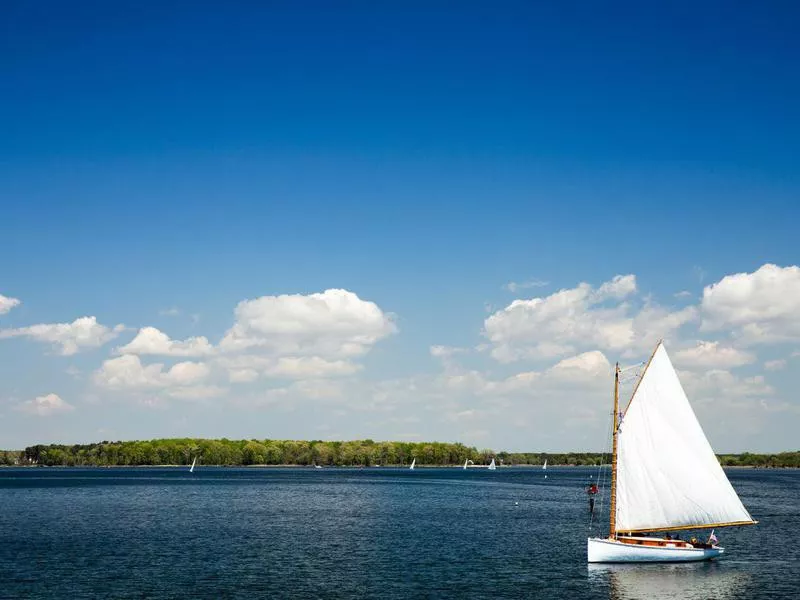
661	581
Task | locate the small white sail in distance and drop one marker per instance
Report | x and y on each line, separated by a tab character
544	466
668	477
191	469
492	466
467	462
413	462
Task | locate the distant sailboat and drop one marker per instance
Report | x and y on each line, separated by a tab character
664	476
191	469
467	462
413	462
544	468
492	466
316	466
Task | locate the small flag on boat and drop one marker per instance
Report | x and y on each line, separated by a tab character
712	538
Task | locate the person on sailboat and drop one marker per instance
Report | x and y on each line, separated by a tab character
591	491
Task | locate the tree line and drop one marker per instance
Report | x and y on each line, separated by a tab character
226	452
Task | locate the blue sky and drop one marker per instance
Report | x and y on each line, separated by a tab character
421	157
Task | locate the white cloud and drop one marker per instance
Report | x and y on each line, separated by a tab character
6	304
683	294
761	307
150	340
705	355
301	367
186	373
445	351
68	338
196	392
775	365
170	312
45	406
242	375
334	323
619	287
514	286
249	367
550	326
580	318
653	323
719	383
128	372
587	369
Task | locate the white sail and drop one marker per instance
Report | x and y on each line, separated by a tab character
413	462
191	469
667	474
492	466
544	466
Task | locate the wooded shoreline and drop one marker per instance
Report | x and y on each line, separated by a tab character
365	453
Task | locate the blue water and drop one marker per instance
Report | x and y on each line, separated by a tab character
357	533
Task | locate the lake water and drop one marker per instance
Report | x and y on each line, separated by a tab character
358	533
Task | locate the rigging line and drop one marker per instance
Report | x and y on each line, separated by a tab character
624	380
602	477
629	367
601	472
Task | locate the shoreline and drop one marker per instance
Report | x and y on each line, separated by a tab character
351	467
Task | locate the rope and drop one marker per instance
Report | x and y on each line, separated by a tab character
601	472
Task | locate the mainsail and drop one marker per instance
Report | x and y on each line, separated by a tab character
667	474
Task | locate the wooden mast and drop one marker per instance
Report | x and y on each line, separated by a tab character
612	531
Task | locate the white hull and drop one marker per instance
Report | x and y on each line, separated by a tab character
611	551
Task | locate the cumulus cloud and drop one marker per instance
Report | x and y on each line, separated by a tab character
301	336
45	406
760	307
150	340
6	304
712	355
580	318
722	383
249	367
302	367
68	338
128	372
242	375
619	287
585	369
334	323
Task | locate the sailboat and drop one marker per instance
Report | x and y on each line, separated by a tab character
191	469
413	462
664	476
467	462
544	468
492	466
